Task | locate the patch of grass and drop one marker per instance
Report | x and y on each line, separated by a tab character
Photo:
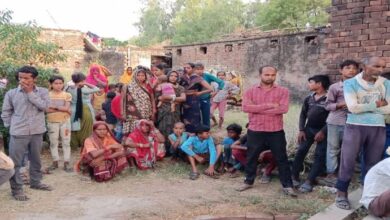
254	200
168	169
287	205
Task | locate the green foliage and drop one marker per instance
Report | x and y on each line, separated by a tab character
20	45
279	14
205	20
112	42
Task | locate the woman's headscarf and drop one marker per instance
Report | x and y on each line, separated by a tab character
125	77
139	95
177	78
90	79
138	137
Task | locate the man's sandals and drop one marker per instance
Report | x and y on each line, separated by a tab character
41	186
19	195
343	203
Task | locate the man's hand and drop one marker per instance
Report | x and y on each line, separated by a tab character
27	87
341	105
381	103
301	137
210	171
320	136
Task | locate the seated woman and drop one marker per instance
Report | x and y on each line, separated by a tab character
102	157
145	145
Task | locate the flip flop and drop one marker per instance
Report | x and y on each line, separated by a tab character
194	175
343	203
305	188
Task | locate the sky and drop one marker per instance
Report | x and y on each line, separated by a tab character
106	18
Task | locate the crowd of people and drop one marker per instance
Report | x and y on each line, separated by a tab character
154	113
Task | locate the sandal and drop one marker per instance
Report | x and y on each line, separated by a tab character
41	186
343	203
265	179
215	176
67	167
305	188
194	175
19	196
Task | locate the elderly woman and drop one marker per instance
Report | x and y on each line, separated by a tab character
137	101
102	157
165	117
145	145
83	116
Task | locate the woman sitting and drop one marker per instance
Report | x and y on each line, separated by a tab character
102	157
145	145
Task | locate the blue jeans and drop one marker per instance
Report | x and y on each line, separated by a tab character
335	137
205	111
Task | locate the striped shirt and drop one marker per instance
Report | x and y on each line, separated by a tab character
266	107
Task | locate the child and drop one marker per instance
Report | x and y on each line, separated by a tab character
106	106
219	99
98	99
239	154
58	122
166	89
200	148
111	87
176	139
312	126
234	131
337	108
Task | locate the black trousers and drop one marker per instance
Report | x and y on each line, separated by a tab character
276	141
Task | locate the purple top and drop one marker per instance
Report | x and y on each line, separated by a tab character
335	96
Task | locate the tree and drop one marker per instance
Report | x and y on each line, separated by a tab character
154	25
205	20
20	45
296	14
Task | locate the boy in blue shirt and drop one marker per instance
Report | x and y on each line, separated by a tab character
176	139
200	148
233	131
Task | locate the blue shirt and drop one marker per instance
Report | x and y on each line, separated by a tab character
211	78
196	146
184	137
227	143
361	97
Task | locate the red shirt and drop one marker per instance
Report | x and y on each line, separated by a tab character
266	107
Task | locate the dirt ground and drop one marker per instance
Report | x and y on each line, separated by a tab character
165	193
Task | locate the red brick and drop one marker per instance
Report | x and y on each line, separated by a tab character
354	50
387	42
287	217
342	12
386	53
358	4
385	24
359	27
386	13
374	31
345	33
372	42
357	10
334	40
333	45
370	48
377	2
356	16
344	44
374	25
357	21
354	44
352	55
371	54
376	36
376	8
377	14
362	37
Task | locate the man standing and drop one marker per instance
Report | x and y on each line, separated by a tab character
205	105
266	103
367	96
24	113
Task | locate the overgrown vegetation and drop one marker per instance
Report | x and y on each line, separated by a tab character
190	21
20	45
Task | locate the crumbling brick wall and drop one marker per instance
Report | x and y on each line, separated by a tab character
360	28
295	55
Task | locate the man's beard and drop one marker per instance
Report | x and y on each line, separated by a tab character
267	82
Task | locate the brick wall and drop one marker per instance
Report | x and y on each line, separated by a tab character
295	55
360	28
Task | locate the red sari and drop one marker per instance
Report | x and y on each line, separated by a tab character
145	157
107	167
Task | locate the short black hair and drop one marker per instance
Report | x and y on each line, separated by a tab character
111	86
266	66
56	77
192	65
234	127
119	86
78	77
111	95
323	79
223	72
201	129
198	65
27	69
349	62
